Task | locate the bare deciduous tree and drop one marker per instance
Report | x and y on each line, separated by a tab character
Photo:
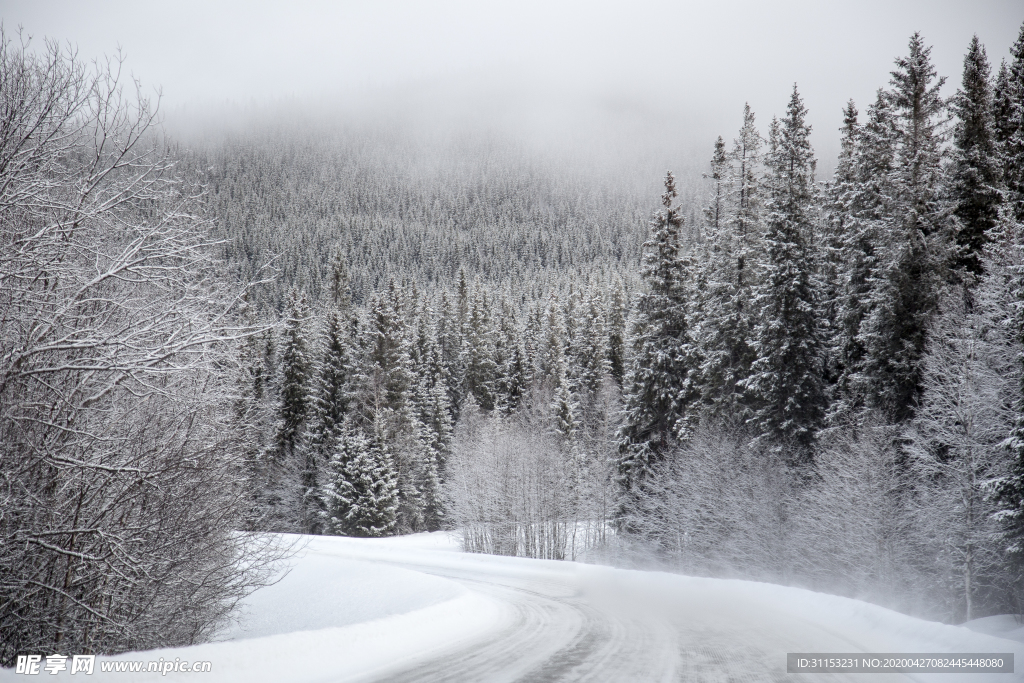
121	481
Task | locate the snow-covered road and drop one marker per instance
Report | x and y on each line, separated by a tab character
417	609
572	622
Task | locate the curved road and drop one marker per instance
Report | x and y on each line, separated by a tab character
583	623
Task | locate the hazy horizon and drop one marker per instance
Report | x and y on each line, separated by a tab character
657	78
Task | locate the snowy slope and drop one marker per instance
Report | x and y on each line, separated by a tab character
416	609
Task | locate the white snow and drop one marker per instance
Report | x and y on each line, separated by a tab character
347	612
1009	626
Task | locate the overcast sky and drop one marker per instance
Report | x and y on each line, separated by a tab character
681	69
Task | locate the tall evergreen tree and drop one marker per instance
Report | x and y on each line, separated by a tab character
295	369
616	313
1009	114
481	370
725	280
786	378
862	216
588	355
512	364
745	188
451	341
914	250
660	386
976	172
383	403
291	453
333	388
714	213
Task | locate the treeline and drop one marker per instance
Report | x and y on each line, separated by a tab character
826	390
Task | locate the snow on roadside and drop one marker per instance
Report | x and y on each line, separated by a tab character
330	618
1008	626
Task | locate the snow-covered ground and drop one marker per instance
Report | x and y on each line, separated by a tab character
416	609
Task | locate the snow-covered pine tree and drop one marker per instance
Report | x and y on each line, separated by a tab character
332	391
588	355
838	223
976	173
360	493
660	385
838	193
725	274
1008	257
564	406
714	212
1002	110
512	364
480	367
291	456
433	412
617	314
746	194
385	385
913	251
1009	126
861	216
451	342
786	383
295	366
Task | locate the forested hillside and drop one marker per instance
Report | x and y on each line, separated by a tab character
793	378
402	207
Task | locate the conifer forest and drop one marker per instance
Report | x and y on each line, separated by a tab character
762	374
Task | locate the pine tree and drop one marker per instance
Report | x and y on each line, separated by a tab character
513	376
862	210
451	341
333	388
565	406
291	454
481	369
661	388
786	378
385	385
746	168
433	414
714	213
838	218
587	355
361	492
913	250
976	173
1009	115
295	366
725	280
617	314
1002	110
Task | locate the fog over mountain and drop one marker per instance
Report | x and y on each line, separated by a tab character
655	79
